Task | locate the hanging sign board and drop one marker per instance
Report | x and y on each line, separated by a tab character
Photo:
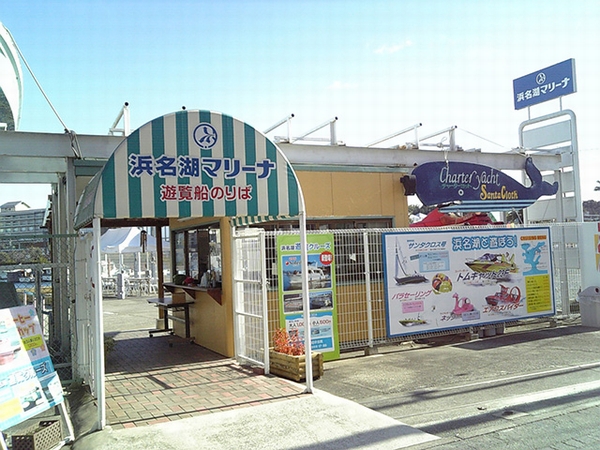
546	84
440	280
477	188
321	284
28	382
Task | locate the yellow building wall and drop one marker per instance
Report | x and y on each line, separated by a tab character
327	194
354	194
212	323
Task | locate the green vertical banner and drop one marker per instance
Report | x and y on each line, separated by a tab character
321	285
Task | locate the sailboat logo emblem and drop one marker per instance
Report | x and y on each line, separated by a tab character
205	135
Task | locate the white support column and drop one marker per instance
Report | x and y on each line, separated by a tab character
98	328
306	301
368	288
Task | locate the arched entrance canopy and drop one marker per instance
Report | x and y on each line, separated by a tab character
191	164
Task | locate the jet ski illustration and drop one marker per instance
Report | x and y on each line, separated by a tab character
469	187
461	305
506	295
493	262
402	275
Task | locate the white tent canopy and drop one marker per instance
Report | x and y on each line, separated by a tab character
126	240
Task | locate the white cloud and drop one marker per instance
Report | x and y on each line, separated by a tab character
390	49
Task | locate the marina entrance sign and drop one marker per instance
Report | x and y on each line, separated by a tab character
546	84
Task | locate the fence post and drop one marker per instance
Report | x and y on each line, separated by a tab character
368	287
38	301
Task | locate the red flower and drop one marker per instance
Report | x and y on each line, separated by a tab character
288	343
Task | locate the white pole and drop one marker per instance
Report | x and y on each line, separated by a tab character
98	327
368	288
304	268
265	304
235	266
306	301
126	120
67	419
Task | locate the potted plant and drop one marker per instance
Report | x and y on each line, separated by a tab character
287	359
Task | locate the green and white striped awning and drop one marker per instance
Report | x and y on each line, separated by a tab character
192	164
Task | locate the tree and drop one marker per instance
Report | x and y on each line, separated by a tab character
591	207
419	209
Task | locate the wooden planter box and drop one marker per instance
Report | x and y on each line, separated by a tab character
294	367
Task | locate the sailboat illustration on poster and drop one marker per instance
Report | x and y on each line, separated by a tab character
402	274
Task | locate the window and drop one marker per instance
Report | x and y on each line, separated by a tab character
198	252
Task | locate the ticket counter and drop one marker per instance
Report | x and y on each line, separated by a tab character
198	279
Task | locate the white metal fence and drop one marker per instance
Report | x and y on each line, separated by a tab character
360	290
84	313
37	270
250	296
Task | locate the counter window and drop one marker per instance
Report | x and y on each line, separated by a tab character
198	254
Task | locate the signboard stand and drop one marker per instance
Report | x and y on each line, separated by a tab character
29	385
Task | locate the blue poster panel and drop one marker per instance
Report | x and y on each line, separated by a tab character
28	382
439	280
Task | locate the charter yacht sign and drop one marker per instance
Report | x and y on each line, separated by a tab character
459	186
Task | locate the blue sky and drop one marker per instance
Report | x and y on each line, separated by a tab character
379	66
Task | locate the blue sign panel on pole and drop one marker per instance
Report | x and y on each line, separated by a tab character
546	84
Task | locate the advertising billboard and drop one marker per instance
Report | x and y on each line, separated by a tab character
28	382
438	280
321	284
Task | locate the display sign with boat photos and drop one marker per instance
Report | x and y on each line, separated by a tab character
439	280
321	285
29	384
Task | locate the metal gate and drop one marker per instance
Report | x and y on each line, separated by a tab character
250	297
84	312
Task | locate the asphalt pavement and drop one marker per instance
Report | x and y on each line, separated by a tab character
536	386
